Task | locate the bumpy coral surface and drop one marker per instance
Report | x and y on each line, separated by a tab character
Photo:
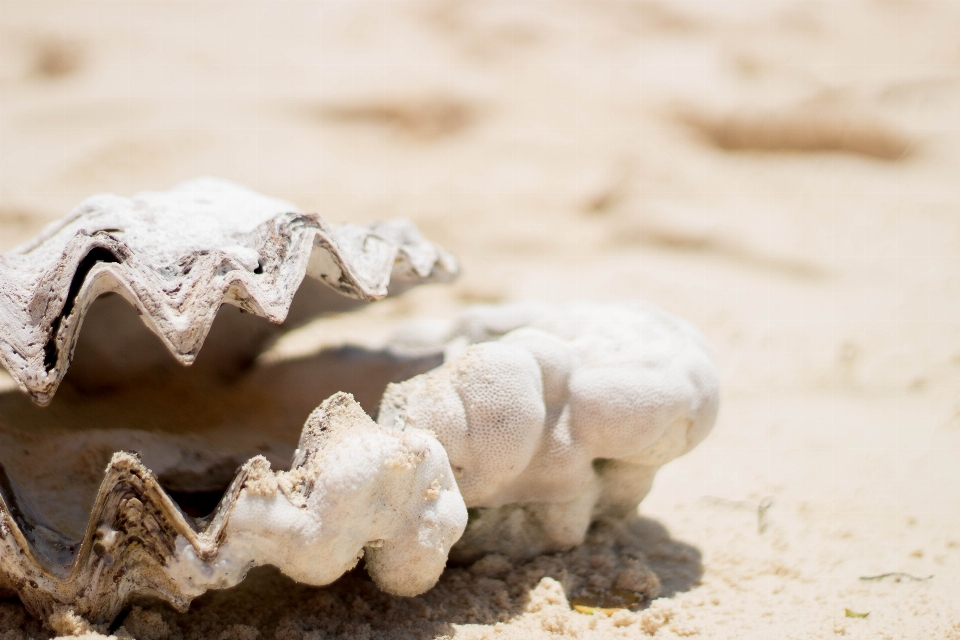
355	489
552	417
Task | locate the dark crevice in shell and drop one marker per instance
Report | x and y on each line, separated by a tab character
197	504
94	256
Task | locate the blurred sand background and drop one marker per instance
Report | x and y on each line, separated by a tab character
786	174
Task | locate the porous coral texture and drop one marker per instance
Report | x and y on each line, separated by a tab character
564	417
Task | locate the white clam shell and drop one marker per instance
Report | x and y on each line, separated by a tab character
355	489
176	256
540	418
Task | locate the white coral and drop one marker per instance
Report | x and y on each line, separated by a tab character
542	418
554	416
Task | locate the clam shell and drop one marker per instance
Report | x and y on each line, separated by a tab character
355	489
542	419
176	256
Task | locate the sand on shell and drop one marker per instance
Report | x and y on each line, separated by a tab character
782	173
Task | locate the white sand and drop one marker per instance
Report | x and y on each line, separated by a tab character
785	174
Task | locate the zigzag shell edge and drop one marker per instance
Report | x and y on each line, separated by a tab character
138	543
42	306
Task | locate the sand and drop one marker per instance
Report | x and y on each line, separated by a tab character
784	174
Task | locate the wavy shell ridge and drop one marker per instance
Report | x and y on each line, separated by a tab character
254	260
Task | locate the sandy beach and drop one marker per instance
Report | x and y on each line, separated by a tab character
783	173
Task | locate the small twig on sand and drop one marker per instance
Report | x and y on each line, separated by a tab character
761	508
896	575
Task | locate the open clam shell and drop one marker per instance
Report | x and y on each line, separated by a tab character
176	256
540	418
